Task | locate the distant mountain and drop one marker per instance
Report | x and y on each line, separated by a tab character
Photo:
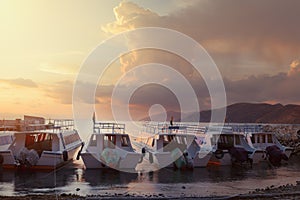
258	113
247	113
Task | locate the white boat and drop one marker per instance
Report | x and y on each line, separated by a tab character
110	146
171	146
6	138
267	141
230	147
43	149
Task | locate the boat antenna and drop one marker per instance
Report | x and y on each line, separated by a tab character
94	117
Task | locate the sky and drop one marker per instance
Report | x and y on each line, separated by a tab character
255	45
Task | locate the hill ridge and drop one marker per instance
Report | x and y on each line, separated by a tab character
244	112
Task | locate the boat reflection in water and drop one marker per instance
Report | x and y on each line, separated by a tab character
105	177
16	182
214	180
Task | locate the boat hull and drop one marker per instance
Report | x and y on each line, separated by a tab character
127	161
258	156
288	151
162	159
225	160
201	159
48	160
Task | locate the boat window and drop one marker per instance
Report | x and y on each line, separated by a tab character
184	140
270	139
150	142
180	140
124	141
253	139
39	142
237	140
29	140
213	140
71	138
263	138
6	140
258	138
110	141
167	139
93	141
225	141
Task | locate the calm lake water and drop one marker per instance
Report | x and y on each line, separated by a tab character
221	181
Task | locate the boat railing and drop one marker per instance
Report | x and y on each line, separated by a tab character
247	128
59	125
221	129
195	129
54	126
108	127
164	127
176	128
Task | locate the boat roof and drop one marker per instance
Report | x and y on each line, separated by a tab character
262	133
55	131
223	131
96	133
3	133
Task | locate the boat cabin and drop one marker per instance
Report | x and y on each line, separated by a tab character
109	135
46	148
6	138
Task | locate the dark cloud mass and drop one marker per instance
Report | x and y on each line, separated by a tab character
238	34
255	44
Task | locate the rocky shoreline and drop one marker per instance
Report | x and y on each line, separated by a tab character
288	135
287	192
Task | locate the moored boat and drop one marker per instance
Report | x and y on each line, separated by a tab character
171	146
267	141
6	138
230	147
43	148
110	146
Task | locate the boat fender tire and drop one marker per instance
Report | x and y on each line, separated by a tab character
143	150
1	159
219	154
65	155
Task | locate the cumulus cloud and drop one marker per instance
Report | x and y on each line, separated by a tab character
241	36
20	82
254	44
294	68
129	16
